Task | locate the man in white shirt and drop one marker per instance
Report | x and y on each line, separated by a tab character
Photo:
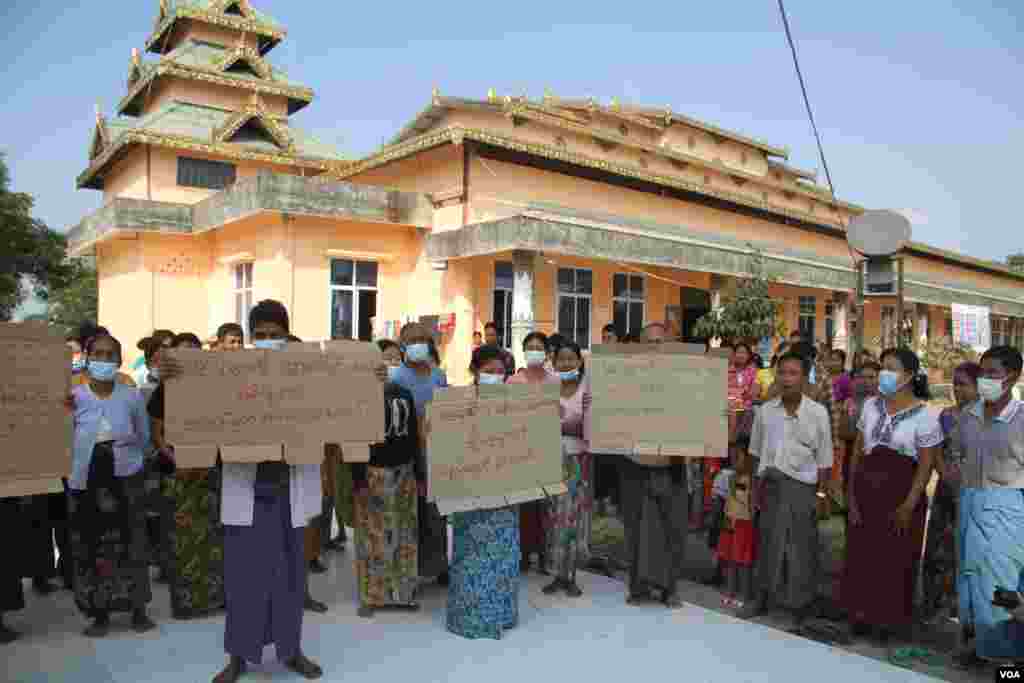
792	440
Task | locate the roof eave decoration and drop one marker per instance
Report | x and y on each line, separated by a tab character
456	133
100	135
249	55
269	35
299	96
254	111
89	178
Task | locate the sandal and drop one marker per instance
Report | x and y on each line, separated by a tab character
553	587
672	600
572	590
141	623
98	629
304	666
232	672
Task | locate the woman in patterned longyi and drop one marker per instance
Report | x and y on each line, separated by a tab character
483	593
386	494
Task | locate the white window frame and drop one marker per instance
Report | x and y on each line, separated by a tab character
246	288
506	334
627	299
589	297
800	315
1000	333
354	288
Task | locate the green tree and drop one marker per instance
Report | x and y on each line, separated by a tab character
76	300
30	253
751	314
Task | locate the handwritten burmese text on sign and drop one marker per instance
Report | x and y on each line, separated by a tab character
664	400
490	448
247	403
35	427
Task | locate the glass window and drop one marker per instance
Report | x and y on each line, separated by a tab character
353	299
830	323
888	327
205	174
575	286
504	279
627	303
243	294
808	318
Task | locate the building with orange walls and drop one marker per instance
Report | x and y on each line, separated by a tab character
551	214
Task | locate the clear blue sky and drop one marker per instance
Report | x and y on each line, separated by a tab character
919	103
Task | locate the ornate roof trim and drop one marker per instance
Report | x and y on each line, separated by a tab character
100	137
300	95
456	135
223	149
168	17
532	111
254	111
244	53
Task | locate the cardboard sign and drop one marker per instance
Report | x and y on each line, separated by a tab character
501	446
35	427
658	401
257	405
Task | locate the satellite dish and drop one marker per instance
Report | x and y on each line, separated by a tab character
878	233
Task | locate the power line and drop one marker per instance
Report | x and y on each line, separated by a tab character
807	102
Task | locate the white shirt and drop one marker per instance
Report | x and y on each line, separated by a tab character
798	446
104	431
238	496
906	432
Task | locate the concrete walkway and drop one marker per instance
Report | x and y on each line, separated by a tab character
593	639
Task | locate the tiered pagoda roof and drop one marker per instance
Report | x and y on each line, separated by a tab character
231	14
237	67
250	131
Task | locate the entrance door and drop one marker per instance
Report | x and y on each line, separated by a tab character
694	304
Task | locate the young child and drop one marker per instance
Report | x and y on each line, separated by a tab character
719	495
737	545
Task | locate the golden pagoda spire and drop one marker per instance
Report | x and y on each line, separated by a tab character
164	8
136	58
549	95
615	103
492	95
99	114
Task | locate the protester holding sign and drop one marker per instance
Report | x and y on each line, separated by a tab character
483	596
422	380
265	508
108	536
386	523
571	512
194	534
531	514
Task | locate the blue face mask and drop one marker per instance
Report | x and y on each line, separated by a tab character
813	376
393	372
102	371
77	365
570	376
270	344
888	382
417	353
487	378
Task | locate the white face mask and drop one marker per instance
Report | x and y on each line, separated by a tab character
535	359
487	378
990	390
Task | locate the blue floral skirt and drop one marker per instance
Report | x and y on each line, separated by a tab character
483	593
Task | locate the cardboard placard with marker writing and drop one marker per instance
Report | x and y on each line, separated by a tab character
257	405
35	426
655	402
492	446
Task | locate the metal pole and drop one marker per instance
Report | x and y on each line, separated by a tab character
858	344
899	302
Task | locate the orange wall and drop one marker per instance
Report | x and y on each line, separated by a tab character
222	97
127	178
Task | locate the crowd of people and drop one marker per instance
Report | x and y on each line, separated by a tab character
805	428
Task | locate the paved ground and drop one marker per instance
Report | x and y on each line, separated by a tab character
940	639
593	639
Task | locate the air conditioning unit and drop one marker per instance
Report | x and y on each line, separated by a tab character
880	277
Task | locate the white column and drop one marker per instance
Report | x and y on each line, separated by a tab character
523	294
840	307
922	326
718	284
